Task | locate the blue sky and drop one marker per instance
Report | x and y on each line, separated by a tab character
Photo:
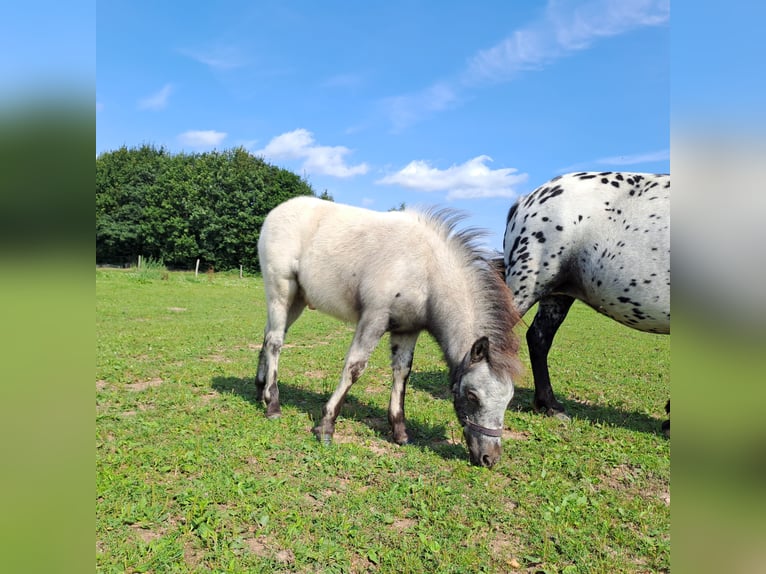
451	103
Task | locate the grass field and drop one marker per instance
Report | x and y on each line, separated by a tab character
191	477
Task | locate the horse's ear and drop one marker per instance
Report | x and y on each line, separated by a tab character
480	350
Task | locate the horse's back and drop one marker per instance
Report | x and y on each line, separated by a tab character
345	257
603	238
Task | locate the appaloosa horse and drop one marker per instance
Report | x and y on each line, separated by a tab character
396	272
602	238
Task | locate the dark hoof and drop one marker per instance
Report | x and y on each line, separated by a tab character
273	412
401	441
555	412
322	436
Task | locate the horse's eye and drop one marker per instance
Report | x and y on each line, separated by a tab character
471	396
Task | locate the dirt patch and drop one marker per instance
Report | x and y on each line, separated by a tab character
101	385
403	524
514	435
502	547
143	385
177	309
192	556
217	358
145	534
264	547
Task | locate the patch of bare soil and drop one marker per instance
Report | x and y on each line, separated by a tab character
514	435
629	479
145	534
193	556
207	397
143	385
101	385
403	524
264	547
177	309
502	548
217	358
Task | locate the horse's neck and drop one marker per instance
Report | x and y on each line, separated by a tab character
456	320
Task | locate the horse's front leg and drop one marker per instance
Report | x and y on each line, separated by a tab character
402	352
551	312
366	337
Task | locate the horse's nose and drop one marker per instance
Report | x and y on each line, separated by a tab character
489	460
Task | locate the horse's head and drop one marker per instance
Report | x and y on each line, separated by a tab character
481	397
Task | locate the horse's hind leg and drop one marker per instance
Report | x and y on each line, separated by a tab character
402	351
284	306
551	312
366	337
666	424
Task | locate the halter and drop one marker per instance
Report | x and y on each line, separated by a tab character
484	430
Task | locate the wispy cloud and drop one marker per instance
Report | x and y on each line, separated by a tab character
220	57
662	155
317	159
156	101
566	27
202	138
621	160
470	180
408	109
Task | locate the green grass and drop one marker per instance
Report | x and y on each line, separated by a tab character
191	477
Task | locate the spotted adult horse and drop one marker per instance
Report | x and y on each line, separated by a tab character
602	238
396	272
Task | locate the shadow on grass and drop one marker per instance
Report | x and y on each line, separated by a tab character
422	435
436	384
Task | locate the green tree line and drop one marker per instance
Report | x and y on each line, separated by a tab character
177	208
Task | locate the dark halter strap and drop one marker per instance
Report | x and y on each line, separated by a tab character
484	430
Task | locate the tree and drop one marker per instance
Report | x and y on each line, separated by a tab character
177	208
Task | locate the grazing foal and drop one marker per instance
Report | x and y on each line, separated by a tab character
396	272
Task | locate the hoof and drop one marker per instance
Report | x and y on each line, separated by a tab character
274	412
401	441
323	436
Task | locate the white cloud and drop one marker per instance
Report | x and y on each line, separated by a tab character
408	109
621	160
202	138
317	159
156	101
218	57
662	155
567	27
469	180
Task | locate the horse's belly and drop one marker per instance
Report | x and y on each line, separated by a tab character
638	307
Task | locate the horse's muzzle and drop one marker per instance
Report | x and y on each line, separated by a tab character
483	449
